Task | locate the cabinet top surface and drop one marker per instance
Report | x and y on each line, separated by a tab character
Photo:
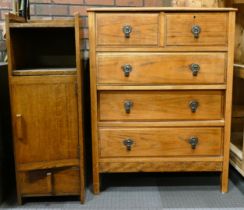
158	9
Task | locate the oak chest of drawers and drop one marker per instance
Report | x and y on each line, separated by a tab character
161	90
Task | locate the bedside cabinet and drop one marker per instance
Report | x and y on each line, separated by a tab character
161	90
45	80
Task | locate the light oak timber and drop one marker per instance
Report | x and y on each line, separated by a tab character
159	9
162	159
213	28
160	123
160	167
44	24
93	93
48	165
160	105
160	142
39	72
228	102
162	49
144	28
42	183
80	94
47	130
109	88
161	87
162	68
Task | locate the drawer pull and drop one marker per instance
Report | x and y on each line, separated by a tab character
193	141
196	30
127	68
195	68
193	106
128	105
128	143
127	29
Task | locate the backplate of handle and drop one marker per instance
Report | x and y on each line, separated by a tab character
128	143
193	141
19	126
127	29
196	30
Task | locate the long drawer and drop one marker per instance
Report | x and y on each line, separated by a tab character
161	68
160	105
158	142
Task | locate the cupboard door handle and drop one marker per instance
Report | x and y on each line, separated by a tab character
128	105
193	141
196	30
128	143
195	68
127	29
193	106
19	126
127	68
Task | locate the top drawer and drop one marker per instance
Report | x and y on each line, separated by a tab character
196	29
127	29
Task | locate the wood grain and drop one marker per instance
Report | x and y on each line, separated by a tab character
150	166
160	105
161	68
109	29
213	29
156	142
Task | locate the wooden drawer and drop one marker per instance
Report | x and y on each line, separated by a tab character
161	68
160	105
213	29
143	26
54	182
156	142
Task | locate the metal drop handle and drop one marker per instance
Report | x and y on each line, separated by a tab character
127	68
127	29
195	68
196	30
128	105
128	143
193	105
193	141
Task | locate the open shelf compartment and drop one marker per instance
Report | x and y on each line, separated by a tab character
43	50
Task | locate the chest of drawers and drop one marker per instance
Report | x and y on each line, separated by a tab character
161	90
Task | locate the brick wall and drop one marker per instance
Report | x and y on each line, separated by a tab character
56	9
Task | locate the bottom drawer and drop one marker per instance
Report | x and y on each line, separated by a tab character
46	182
160	142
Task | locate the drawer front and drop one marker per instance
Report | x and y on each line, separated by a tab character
127	29
196	29
50	182
161	68
157	142
160	105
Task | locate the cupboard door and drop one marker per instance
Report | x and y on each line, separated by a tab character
45	118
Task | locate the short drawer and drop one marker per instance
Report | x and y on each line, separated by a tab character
161	68
160	105
156	142
196	29
127	29
50	182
